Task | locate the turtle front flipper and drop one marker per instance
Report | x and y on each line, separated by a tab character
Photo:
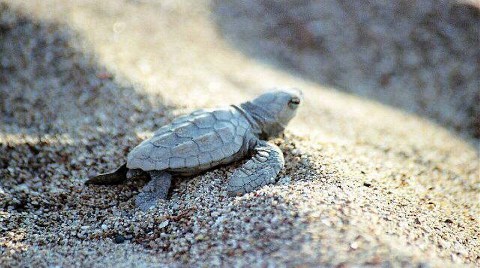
261	170
156	189
114	177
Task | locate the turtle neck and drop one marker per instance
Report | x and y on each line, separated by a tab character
263	121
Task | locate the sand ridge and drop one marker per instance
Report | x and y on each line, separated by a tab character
365	184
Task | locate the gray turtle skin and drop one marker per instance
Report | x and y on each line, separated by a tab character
208	138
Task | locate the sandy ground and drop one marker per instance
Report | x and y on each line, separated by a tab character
420	56
82	82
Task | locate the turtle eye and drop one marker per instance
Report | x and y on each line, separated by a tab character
294	102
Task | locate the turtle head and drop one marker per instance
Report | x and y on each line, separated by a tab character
272	111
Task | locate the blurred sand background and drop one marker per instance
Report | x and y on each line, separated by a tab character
382	160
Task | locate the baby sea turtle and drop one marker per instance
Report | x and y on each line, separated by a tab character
210	137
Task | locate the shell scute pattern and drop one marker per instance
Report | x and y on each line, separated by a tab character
141	151
176	162
205	121
206	158
187	149
235	121
186	130
208	142
239	139
162	130
241	129
163	140
218	154
192	162
160	164
201	111
180	120
160	153
226	134
221	124
201	139
147	164
228	150
140	156
223	115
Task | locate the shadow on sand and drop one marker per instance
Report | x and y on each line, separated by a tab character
420	57
63	114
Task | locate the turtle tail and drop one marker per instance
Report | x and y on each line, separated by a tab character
114	177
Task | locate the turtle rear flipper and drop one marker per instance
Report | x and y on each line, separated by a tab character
114	177
154	190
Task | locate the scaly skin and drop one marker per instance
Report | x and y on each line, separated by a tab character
261	170
208	138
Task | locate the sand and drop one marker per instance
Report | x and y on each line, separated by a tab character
83	82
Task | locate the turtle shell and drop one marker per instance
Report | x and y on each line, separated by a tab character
193	143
